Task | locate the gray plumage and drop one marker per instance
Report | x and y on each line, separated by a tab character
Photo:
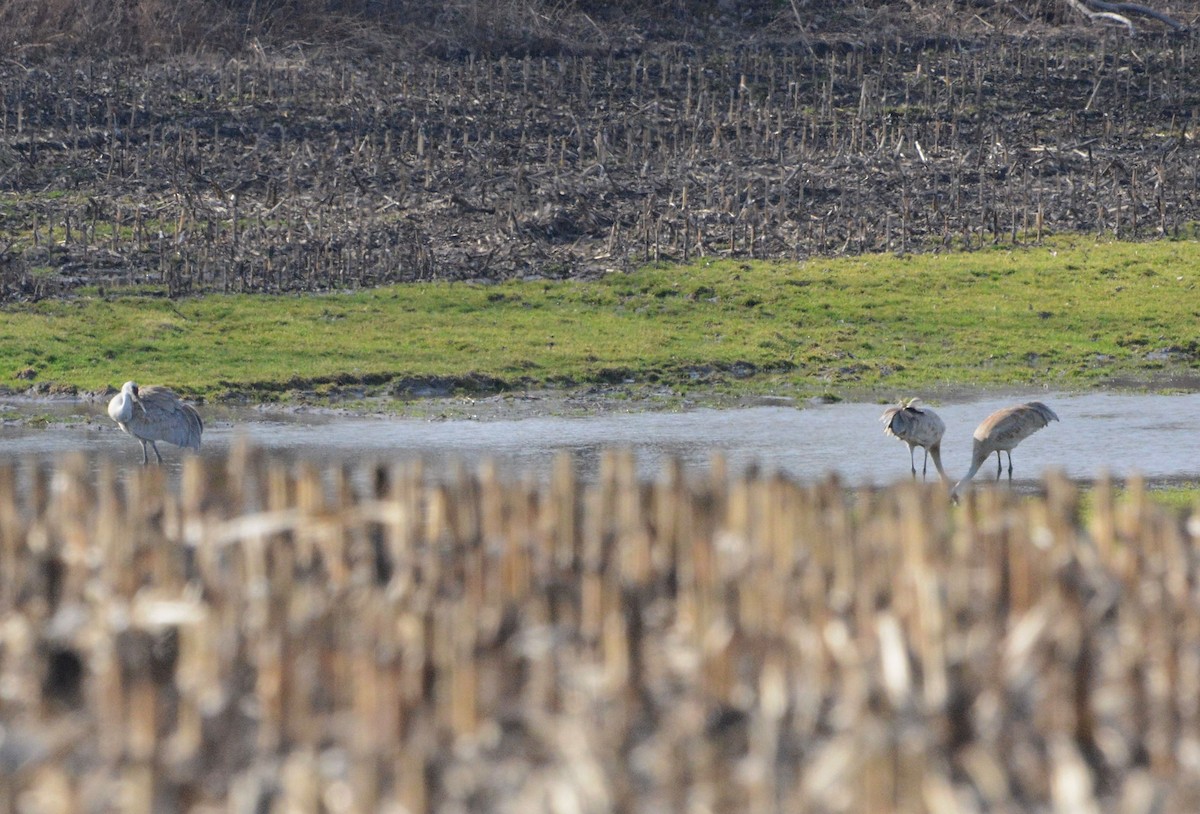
152	414
1003	430
917	427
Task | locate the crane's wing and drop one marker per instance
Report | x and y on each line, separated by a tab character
916	425
165	417
1043	412
1014	424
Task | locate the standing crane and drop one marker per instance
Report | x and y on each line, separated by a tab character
152	414
1003	430
917	427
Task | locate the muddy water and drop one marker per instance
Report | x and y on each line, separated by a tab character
1155	435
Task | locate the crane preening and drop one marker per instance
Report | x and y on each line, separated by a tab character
152	414
917	427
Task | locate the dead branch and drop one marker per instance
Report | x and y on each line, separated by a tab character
1135	8
800	27
1118	13
1111	16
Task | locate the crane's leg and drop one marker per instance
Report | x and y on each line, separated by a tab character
912	462
1009	464
924	466
145	456
999	465
156	452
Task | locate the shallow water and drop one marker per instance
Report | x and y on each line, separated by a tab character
1155	435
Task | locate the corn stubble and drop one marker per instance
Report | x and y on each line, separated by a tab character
275	173
274	634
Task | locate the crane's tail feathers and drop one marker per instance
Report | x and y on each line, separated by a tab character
1043	412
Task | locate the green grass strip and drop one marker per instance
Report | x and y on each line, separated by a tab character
1076	315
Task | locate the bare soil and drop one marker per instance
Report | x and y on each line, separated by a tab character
294	171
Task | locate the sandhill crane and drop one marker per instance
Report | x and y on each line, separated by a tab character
917	427
152	414
1003	430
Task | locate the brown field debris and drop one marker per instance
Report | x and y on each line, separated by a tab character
286	168
276	634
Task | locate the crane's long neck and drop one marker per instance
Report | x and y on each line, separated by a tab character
977	460
121	410
935	452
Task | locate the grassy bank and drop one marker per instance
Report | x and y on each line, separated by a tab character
1077	315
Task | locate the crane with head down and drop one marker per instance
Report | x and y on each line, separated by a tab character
1001	432
917	427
